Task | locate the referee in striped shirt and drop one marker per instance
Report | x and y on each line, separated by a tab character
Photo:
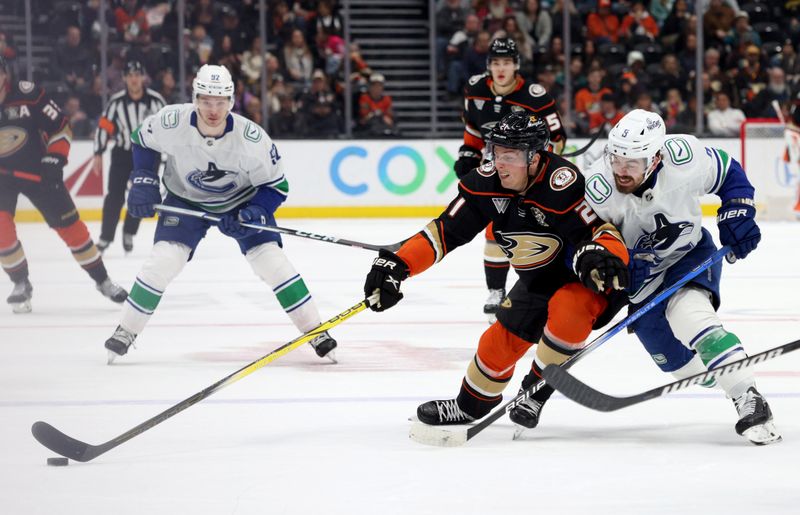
125	111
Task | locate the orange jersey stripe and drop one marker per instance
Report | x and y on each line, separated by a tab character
418	254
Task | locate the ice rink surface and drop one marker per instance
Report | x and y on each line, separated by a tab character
302	436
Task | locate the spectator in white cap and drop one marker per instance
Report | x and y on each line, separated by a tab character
375	113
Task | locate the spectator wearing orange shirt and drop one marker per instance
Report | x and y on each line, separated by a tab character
603	25
609	113
375	114
587	100
638	25
131	22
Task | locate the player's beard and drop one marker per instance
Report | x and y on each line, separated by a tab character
628	186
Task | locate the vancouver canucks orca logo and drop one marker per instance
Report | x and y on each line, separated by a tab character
211	180
665	235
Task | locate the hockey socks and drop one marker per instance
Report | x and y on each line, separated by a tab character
717	347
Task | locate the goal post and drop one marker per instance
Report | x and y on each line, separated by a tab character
764	159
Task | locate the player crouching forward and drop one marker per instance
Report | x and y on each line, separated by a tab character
224	164
658	181
535	200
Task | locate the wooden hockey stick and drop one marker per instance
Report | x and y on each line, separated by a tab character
585	395
449	437
282	230
69	447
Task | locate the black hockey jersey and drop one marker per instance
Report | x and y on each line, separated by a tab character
32	126
537	230
483	109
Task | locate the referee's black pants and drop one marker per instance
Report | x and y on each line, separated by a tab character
118	176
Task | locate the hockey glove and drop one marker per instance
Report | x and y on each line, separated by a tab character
737	227
51	169
229	225
599	269
388	271
640	267
468	160
144	193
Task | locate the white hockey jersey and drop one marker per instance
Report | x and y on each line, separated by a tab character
666	219
216	174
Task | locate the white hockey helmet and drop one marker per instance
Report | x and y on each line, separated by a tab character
214	81
639	134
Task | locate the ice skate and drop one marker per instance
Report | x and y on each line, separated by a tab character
127	243
119	343
525	415
442	413
20	298
102	245
755	418
112	290
324	346
493	304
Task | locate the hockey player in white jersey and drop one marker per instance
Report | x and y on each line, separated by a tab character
649	185
222	163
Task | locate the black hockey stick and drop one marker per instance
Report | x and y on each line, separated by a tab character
586	147
283	230
69	447
587	396
438	435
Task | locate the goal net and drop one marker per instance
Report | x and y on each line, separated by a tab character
774	175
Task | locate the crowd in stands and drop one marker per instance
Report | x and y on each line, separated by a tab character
625	54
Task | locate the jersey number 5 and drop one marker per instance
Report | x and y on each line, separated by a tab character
553	122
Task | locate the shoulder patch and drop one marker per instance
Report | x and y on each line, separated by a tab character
562	178
252	132
26	86
536	90
475	79
486	169
170	118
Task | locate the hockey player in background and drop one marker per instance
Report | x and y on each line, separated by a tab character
535	200
649	185
487	99
35	139
222	163
791	135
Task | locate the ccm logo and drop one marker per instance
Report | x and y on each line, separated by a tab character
148	181
732	214
385	262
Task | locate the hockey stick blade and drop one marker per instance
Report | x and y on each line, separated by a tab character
282	230
444	437
585	395
72	448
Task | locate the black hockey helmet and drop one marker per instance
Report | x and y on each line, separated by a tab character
134	66
503	47
523	131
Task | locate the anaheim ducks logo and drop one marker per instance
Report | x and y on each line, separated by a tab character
530	250
11	140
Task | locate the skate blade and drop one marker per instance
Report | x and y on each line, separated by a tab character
438	436
491	318
518	431
763	434
21	307
331	356
111	357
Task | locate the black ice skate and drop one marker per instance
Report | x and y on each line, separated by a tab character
442	413
102	245
324	346
525	415
755	418
127	242
20	298
493	304
119	343
112	290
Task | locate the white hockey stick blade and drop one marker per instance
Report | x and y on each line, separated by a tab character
437	436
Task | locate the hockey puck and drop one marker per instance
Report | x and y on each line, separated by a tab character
58	462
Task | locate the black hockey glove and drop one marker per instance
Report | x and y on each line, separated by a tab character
738	228
468	160
388	271
598	269
51	169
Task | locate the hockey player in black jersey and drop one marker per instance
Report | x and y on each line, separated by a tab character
487	99
35	139
535	200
